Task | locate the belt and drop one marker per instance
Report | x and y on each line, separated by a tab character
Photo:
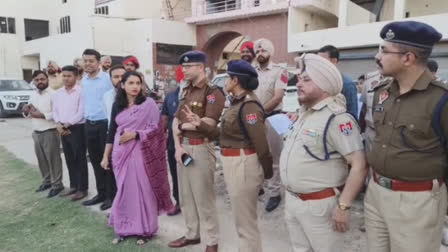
404	186
193	141
96	122
226	152
43	131
326	193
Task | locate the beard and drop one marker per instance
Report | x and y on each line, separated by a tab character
41	86
247	58
263	60
51	71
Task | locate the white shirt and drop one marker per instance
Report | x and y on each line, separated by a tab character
42	102
108	101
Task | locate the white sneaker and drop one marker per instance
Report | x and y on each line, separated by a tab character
445	236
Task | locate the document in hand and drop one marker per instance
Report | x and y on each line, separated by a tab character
280	123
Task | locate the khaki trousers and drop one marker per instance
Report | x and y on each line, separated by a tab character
244	177
275	142
47	147
309	225
197	193
404	221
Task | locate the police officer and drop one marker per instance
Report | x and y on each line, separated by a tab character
405	203
272	81
244	148
247	51
196	180
314	162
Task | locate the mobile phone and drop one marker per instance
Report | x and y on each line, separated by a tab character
187	159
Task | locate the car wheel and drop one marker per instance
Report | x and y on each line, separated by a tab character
2	111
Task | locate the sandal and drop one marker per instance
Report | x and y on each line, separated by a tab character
141	240
118	239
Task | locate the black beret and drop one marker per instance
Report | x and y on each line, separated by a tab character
411	33
192	57
241	68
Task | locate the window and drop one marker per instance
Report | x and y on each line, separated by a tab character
7	25
35	29
102	10
64	25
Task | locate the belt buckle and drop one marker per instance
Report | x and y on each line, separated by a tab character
385	182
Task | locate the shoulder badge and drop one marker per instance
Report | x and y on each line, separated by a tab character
211	99
251	118
346	128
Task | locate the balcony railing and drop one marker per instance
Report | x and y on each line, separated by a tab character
222	6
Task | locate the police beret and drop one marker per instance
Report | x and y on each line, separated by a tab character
411	33
241	68
192	57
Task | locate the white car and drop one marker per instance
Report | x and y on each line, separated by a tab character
14	94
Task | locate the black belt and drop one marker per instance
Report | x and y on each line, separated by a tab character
96	122
43	131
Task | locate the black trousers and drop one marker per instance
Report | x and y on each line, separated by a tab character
75	157
173	171
96	133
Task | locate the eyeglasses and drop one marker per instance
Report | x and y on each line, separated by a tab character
383	51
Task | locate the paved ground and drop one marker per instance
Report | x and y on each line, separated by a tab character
15	135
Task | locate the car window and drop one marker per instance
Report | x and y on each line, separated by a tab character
14	85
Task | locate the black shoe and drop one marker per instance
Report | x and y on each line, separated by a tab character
43	187
273	203
54	192
106	205
93	201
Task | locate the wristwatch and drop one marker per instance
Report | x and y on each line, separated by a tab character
343	206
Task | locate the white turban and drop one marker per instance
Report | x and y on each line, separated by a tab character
265	44
322	72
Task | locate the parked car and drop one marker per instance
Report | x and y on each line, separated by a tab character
14	94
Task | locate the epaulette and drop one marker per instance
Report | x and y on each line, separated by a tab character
384	83
440	84
213	87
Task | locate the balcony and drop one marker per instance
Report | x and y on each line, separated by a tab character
214	11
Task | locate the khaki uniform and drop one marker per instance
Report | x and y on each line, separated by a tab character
55	82
406	148
243	173
197	181
271	78
308	222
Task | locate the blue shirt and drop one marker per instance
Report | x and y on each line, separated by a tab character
93	90
350	92
169	108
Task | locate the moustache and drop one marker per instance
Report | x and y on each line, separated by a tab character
378	63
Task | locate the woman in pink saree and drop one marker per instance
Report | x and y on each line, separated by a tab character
136	142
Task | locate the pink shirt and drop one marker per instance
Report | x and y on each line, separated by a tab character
68	106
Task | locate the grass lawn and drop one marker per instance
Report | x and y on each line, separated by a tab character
31	222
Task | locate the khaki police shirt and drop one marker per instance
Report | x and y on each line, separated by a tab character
405	146
269	79
252	116
203	100
302	173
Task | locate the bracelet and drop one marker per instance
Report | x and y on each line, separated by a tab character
343	206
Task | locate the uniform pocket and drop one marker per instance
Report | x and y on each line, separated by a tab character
414	133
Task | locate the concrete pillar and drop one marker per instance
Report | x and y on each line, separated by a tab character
342	14
399	9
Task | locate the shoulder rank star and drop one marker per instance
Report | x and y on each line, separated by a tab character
211	99
346	128
251	119
383	97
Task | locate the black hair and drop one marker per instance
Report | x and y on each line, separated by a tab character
121	99
37	72
115	67
249	83
362	77
432	66
332	51
92	52
72	69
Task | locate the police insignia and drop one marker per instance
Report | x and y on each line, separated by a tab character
186	59
390	34
211	99
251	119
346	128
309	132
383	96
284	77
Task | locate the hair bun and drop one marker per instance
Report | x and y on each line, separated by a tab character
250	84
